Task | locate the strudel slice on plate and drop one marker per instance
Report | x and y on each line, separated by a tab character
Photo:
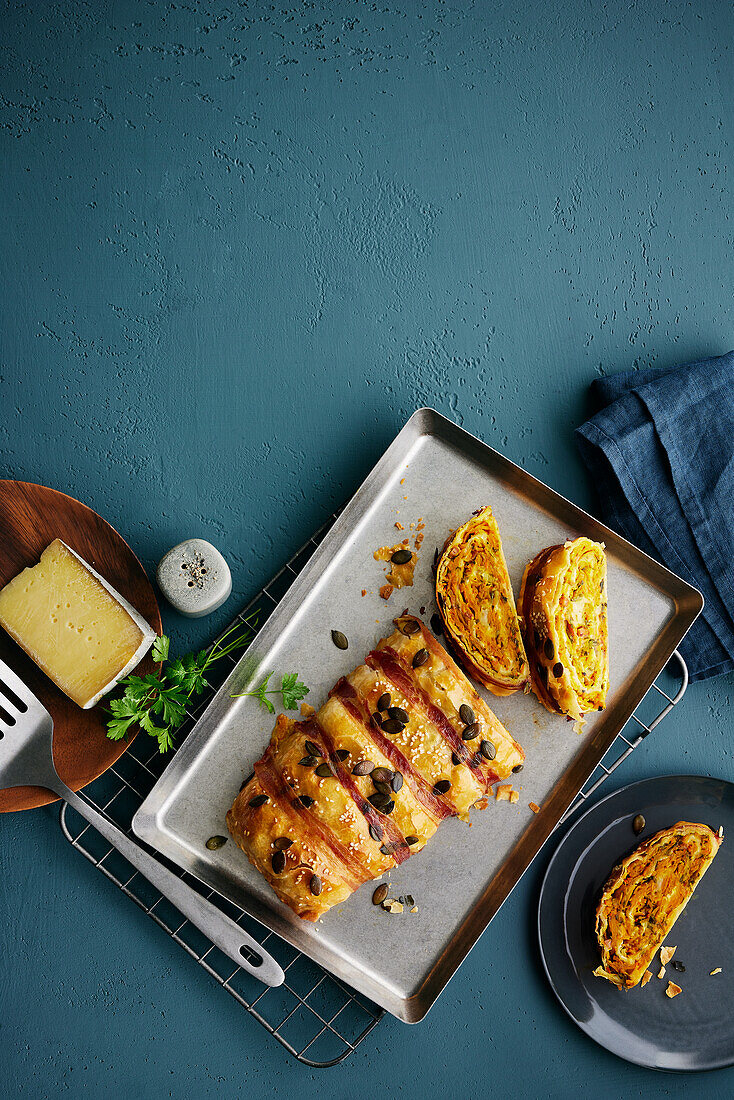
645	895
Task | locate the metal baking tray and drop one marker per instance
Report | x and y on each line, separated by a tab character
439	474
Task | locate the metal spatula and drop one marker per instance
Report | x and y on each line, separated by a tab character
26	759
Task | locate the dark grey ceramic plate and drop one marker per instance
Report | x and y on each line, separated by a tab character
695	1030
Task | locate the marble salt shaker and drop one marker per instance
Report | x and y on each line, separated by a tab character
194	578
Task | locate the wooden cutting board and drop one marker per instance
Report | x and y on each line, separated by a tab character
32	516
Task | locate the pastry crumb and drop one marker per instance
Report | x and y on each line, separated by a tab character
390	905
534	807
661	972
364	591
716	971
666	954
399	525
414	909
503	792
481	804
673	990
386	591
307	710
514	796
646	977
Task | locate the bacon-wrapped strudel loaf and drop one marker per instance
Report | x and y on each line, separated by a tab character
340	798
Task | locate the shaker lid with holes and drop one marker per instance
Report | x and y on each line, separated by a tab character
194	578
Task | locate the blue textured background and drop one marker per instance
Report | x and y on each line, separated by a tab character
241	243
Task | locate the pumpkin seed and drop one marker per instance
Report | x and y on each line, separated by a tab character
246	781
387	849
339	639
381	786
380	894
382	774
411	840
558	670
470	732
377	719
466	714
341	755
396	782
258	800
401	557
638	824
314	750
409	900
305	800
399	713
678	966
308	761
388	807
315	885
282	844
278	862
518	768
548	649
455	759
442	786
411	627
215	842
436	624
488	750
362	767
384	701
376	832
420	658
325	771
378	800
392	726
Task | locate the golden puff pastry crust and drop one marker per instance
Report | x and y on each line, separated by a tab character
563	614
477	605
363	784
645	895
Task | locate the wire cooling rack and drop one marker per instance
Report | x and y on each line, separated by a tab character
316	1017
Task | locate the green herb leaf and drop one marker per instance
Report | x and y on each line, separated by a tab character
117	728
291	690
163	694
160	649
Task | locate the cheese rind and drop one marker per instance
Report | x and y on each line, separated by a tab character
82	633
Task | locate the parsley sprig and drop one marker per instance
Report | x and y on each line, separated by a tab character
156	703
291	689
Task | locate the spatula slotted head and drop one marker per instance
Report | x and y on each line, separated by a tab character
26	735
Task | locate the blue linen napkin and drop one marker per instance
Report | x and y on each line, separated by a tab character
661	452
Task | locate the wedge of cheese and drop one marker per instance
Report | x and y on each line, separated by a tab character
82	633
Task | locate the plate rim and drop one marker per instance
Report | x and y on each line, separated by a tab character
587	811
